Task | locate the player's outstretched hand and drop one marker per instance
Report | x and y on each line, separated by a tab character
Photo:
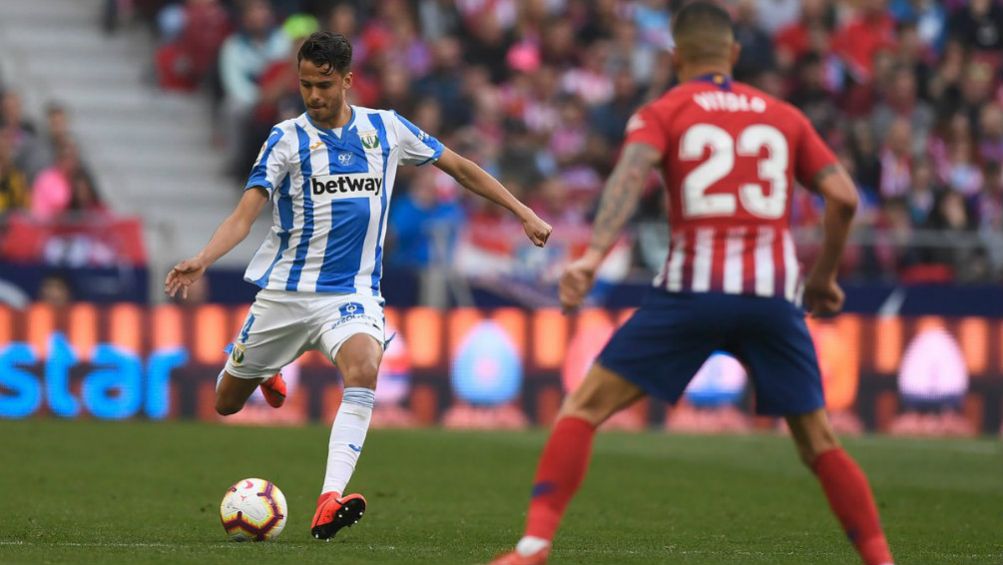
576	282
537	230
182	276
822	296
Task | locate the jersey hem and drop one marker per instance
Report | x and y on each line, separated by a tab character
320	290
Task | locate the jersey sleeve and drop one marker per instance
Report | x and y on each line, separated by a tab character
645	126
813	155
272	163
416	146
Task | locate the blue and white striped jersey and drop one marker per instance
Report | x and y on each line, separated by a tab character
331	191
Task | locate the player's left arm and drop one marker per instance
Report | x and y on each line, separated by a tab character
818	169
619	201
478	181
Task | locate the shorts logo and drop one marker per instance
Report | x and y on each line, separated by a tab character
351	309
344	159
370	140
351	312
237	355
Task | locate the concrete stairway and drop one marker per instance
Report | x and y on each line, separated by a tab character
150	150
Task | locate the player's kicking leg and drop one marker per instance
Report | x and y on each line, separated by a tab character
566	458
232	392
359	360
844	483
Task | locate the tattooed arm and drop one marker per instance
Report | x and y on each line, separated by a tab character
619	200
822	295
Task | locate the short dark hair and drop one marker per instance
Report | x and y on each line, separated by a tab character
703	31
331	52
701	13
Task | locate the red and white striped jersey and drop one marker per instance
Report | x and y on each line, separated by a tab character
730	156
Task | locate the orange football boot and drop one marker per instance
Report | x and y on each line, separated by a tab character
515	558
334	513
274	390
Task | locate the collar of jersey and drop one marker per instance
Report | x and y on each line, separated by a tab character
330	132
719	80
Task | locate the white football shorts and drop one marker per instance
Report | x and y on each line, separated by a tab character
281	326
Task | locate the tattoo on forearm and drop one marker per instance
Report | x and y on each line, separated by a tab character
621	194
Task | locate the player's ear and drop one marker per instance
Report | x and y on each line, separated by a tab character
736	51
347	81
676	60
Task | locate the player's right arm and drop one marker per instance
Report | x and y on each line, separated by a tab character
232	231
270	167
619	200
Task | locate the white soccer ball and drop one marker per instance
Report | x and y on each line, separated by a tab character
253	510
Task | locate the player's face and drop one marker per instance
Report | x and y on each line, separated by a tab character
323	92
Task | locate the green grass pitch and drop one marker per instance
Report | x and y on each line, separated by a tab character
139	493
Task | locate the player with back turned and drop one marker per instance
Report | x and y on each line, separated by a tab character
330	173
729	155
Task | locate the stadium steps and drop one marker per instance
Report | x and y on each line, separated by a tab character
151	151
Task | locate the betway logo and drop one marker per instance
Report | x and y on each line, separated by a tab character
356	185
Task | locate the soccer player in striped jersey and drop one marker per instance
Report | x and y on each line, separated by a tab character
330	174
729	155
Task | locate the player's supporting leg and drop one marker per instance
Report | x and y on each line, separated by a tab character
359	361
565	458
232	392
844	483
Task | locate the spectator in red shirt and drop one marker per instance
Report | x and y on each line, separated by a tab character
794	41
872	31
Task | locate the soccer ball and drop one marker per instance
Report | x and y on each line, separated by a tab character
253	510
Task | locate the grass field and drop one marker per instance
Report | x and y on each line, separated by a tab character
138	493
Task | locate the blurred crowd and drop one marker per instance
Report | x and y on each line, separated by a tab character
42	174
907	92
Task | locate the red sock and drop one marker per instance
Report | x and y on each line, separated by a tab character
850	497
561	471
